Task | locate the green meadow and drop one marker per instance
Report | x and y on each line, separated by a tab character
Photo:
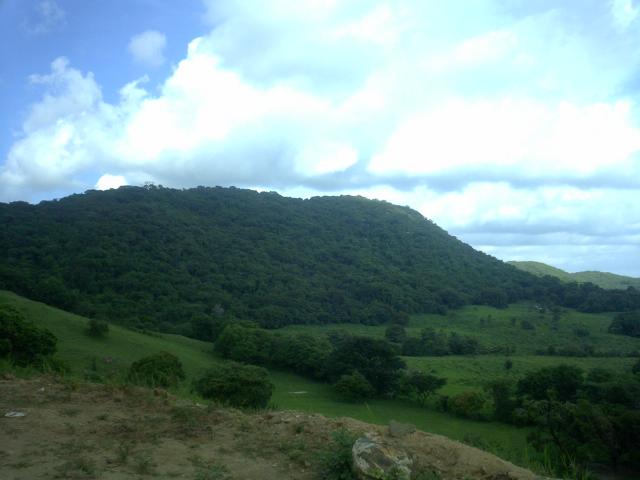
121	347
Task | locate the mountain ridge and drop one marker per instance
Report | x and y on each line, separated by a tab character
605	280
179	260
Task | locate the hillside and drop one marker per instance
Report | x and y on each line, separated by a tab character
93	431
606	280
179	260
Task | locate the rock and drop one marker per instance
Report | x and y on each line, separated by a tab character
399	430
374	461
15	414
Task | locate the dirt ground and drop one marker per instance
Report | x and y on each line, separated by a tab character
73	430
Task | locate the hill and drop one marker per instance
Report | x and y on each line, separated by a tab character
179	260
610	281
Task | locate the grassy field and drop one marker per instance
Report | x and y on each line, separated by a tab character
122	346
494	327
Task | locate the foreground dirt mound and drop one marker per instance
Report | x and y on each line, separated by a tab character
95	431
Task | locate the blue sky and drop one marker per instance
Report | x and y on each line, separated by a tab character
513	124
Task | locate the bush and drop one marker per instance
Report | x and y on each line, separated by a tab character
467	405
159	370
21	341
354	387
243	386
97	328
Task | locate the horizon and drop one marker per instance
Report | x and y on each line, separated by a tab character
514	127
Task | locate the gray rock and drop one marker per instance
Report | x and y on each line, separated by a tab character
374	461
399	430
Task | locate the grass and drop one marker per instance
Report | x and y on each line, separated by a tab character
494	327
121	347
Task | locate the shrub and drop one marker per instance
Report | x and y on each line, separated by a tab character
159	370
354	387
97	328
561	382
467	404
23	342
243	386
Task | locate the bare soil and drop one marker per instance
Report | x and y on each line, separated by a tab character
77	431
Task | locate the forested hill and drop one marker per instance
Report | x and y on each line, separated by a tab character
173	260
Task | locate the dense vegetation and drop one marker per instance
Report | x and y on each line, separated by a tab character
178	261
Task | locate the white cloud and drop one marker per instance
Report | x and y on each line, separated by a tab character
624	12
46	16
148	48
107	182
490	122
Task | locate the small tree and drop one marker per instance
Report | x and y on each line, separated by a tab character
395	333
354	387
422	385
467	404
627	323
160	370
97	328
243	386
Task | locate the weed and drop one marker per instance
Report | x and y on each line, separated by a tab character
123	452
70	412
213	471
143	465
336	462
77	467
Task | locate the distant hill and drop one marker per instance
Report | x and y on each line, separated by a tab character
606	280
179	260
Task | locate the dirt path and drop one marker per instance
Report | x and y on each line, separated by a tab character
95	431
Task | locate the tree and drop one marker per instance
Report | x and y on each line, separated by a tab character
244	343
243	386
395	333
97	328
467	404
422	385
560	383
501	392
162	369
354	387
23	342
627	323
377	360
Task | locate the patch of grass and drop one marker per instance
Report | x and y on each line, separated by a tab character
143	464
336	462
76	467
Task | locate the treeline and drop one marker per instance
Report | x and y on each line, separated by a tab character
172	260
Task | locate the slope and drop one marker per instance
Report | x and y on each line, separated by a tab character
606	280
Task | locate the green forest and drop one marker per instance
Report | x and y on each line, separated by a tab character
185	261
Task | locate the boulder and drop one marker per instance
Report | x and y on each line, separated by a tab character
399	430
374	461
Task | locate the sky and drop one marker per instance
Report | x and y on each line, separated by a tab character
513	124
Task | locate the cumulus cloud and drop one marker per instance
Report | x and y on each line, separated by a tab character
493	127
148	47
45	17
107	182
